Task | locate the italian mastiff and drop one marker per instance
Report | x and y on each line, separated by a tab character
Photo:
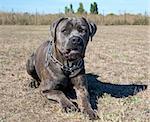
58	64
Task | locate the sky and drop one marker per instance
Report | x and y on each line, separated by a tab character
56	6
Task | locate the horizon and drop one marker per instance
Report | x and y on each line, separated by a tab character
58	6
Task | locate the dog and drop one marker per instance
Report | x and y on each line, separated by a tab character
58	64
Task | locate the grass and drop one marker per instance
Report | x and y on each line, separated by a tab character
12	18
117	54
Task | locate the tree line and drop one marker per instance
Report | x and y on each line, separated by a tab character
81	10
14	18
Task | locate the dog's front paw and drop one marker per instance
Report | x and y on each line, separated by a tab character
91	114
68	107
34	84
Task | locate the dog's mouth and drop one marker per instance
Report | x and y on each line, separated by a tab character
72	54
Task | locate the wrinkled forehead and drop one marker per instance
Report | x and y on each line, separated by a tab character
73	22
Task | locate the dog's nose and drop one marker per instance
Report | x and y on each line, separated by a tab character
76	40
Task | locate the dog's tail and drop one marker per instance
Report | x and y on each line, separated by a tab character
30	67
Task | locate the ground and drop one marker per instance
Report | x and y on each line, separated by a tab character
117	65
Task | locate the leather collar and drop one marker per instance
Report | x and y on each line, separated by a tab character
70	69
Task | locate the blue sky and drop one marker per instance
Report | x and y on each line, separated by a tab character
56	6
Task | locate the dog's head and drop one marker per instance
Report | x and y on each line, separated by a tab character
71	36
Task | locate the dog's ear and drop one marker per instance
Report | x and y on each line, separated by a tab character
92	27
54	26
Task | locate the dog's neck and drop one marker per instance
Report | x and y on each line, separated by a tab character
70	68
56	53
59	56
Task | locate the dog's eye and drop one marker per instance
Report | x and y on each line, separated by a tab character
64	30
81	30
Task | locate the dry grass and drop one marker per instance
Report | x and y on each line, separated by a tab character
118	55
42	19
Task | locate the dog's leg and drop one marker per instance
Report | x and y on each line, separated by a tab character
81	89
30	67
58	96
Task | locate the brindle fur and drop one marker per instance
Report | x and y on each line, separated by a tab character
53	82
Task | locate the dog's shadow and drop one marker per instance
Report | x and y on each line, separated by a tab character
98	88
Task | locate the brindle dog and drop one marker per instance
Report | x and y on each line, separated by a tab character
58	64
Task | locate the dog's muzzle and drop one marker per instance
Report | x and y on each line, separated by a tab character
74	48
76	41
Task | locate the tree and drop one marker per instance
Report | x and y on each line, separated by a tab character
71	9
94	8
66	10
81	8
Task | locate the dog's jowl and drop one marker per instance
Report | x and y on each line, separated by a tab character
59	63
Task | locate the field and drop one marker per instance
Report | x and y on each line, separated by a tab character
117	64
